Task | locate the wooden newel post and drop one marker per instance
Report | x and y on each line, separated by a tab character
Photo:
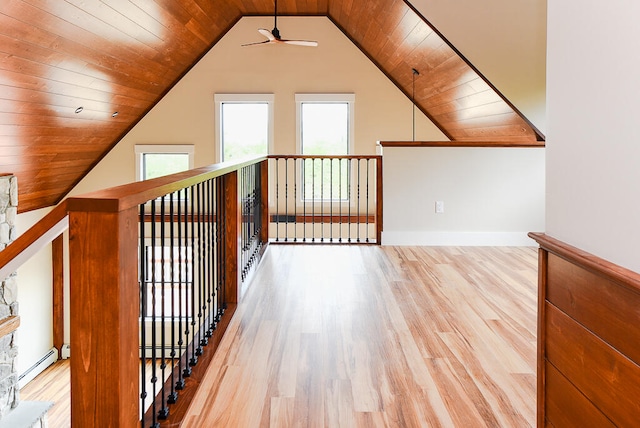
104	307
379	203
233	237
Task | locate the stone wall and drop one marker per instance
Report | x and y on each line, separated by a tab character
9	393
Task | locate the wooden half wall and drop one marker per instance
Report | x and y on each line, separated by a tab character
588	339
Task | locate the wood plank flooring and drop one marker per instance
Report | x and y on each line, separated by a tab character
369	336
379	337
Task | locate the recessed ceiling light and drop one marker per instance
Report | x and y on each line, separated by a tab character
79	109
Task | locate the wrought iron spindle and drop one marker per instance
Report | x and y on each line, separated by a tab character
366	222
313	200
350	203
340	199
202	257
286	199
173	395
192	313
163	412
295	200
153	278
358	206
331	200
221	233
196	315
211	242
322	199
182	298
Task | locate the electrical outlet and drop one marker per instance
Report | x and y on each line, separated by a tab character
439	207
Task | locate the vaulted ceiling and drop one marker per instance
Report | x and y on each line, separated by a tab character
76	75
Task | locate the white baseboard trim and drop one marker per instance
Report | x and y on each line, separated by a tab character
33	371
458	239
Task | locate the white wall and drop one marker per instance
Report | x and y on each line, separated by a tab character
593	155
505	40
492	196
35	297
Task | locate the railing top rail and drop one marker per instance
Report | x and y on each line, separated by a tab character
324	157
130	195
471	143
33	240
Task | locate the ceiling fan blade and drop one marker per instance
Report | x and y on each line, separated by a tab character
266	33
273	36
300	42
257	43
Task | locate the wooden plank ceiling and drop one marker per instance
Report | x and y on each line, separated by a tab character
116	59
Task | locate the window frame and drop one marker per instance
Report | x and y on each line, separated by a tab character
327	98
142	149
333	98
220	99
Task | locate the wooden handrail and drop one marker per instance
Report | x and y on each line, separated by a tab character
8	325
121	198
595	264
484	144
33	240
324	156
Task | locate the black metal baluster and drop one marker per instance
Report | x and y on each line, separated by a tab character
367	206
277	213
246	212
201	270
350	163
173	395
322	199
183	279
154	374
331	200
192	314
358	206
286	199
249	220
295	199
211	246
340	199
313	200
258	202
163	412
305	185
142	275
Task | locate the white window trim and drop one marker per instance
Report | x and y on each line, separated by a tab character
141	149
242	98
348	98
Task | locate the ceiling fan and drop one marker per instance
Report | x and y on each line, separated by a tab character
273	36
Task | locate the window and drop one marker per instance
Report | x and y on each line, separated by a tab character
325	127
157	160
244	124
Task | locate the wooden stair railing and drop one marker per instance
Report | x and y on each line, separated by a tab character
326	199
33	240
48	229
105	295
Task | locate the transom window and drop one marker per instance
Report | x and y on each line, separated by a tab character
157	160
244	124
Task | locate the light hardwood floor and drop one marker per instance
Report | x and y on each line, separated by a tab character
368	336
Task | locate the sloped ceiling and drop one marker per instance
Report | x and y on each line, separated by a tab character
76	75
